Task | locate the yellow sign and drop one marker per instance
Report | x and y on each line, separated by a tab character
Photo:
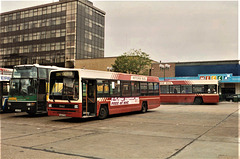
12	98
214	77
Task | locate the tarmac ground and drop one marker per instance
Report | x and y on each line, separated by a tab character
168	132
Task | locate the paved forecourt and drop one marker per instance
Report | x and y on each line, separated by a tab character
170	131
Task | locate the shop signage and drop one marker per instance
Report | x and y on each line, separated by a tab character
219	77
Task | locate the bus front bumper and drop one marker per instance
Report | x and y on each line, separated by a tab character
22	106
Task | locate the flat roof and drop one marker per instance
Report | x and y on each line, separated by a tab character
203	62
54	3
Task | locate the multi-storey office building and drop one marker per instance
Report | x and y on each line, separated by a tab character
55	34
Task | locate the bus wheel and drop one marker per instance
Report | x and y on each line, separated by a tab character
198	101
144	107
103	112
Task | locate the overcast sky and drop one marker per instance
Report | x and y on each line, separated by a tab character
169	31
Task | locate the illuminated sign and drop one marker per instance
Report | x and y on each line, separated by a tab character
138	78
65	74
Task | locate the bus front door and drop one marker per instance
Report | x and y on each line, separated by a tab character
89	98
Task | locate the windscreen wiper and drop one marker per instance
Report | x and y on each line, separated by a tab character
53	97
68	99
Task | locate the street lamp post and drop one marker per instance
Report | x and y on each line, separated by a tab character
164	67
110	69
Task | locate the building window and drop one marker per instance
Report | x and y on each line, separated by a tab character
14	16
58	20
54	8
88	35
34	36
30	13
59	8
30	37
88	23
63	32
53	46
87	47
53	21
53	34
49	9
44	10
26	14
39	11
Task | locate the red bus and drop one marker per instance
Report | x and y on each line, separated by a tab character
88	93
189	91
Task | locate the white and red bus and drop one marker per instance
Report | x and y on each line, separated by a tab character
88	93
189	91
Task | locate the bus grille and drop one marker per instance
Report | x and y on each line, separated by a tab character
63	106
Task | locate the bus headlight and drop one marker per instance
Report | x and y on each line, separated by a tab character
76	106
50	105
30	104
9	103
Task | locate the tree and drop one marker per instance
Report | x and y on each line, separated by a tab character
134	62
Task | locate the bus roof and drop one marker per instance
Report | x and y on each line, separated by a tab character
6	71
39	66
188	82
94	74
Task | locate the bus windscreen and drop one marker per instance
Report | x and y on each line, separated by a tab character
64	85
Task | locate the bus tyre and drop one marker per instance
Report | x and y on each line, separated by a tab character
103	112
198	101
144	107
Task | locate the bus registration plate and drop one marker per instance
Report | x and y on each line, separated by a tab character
62	114
18	110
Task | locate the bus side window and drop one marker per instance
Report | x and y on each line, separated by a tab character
135	88
164	89
102	88
212	89
199	89
156	88
150	88
126	88
42	73
144	88
186	89
174	89
115	88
